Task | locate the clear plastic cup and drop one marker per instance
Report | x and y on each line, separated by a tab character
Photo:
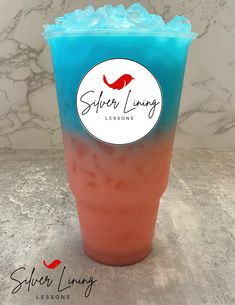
118	187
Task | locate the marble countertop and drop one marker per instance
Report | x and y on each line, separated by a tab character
193	252
29	116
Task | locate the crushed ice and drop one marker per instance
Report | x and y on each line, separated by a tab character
109	17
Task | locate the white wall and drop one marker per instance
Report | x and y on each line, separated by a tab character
28	108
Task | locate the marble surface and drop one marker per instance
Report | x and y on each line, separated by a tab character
28	108
192	261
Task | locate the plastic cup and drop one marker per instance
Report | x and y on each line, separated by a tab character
118	187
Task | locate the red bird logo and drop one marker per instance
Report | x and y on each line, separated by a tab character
52	265
119	84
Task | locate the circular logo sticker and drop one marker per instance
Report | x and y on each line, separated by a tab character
119	101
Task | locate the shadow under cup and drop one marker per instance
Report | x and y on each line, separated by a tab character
118	187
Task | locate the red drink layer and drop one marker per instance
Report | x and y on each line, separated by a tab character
118	189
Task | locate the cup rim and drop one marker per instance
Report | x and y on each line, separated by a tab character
117	32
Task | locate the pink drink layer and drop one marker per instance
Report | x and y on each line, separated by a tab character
118	189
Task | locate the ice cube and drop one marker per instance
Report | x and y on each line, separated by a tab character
138	8
179	24
89	10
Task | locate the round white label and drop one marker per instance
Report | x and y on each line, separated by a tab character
119	101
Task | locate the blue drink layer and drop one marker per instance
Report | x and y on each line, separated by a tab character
83	39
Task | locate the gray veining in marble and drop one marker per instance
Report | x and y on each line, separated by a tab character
28	108
192	262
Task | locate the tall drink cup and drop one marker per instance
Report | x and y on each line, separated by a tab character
118	94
